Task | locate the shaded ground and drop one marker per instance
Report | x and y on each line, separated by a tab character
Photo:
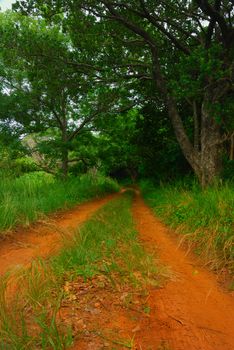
44	238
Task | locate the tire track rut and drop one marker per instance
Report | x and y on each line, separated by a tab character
44	239
190	312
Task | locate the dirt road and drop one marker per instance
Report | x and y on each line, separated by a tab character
43	239
191	312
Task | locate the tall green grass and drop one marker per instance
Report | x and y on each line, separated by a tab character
25	199
204	218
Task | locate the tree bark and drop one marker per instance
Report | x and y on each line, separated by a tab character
64	166
196	127
210	146
64	155
206	161
232	147
190	153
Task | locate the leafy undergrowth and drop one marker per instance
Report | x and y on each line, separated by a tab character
204	218
75	296
27	198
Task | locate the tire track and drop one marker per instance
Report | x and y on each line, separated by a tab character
189	313
44	239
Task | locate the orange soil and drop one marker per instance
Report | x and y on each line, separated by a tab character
102	316
42	239
191	312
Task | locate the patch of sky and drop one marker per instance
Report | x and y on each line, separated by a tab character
6	4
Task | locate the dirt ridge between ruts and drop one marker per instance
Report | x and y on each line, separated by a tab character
191	312
43	239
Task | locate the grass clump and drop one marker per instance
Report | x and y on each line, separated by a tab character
29	311
205	218
26	198
106	243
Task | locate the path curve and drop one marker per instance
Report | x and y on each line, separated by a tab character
190	312
43	239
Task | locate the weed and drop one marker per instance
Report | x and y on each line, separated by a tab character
147	309
124	343
164	345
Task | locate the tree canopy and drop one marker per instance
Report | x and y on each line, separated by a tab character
146	85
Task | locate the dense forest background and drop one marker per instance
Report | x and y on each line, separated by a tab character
132	89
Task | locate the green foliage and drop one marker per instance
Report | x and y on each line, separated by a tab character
204	218
115	145
68	69
228	170
159	154
54	93
17	167
192	71
32	195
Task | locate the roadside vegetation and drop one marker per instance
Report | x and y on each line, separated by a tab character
106	246
30	196
204	219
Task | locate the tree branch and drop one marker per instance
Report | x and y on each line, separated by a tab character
61	126
155	22
212	25
134	28
214	14
85	121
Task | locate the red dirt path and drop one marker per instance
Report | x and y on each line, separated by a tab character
43	239
190	312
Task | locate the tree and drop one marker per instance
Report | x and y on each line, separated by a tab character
168	35
61	100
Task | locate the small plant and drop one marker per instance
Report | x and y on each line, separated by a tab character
147	309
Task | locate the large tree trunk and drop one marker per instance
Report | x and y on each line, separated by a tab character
64	165
205	162
231	155
190	153
64	156
187	148
211	163
196	128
